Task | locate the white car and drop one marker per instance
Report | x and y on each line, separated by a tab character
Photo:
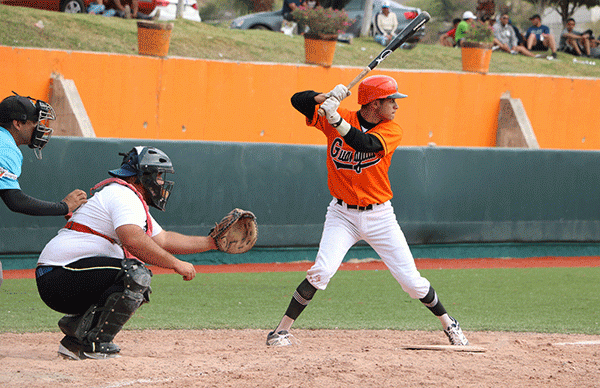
168	9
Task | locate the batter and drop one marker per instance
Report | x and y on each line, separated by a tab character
360	146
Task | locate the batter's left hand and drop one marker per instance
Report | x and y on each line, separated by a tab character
330	107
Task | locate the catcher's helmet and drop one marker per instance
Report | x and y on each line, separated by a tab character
376	87
26	108
151	166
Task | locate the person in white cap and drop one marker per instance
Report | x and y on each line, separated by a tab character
386	24
463	27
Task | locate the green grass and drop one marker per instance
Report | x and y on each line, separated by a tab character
84	32
553	300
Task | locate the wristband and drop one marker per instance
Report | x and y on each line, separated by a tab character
343	128
335	125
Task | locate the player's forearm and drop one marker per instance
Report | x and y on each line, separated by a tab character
180	244
19	202
139	244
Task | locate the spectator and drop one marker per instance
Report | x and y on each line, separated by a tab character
574	42
520	39
288	7
129	9
386	24
539	38
23	121
461	29
97	7
447	38
505	37
594	45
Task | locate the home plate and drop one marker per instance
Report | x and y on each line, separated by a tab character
579	343
453	348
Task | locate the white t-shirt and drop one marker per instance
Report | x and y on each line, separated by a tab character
113	206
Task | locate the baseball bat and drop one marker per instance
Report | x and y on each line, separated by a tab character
402	37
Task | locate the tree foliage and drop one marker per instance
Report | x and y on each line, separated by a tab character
565	8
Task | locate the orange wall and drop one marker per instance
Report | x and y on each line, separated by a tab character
132	96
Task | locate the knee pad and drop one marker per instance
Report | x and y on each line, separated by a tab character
136	276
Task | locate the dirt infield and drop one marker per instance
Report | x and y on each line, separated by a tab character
324	358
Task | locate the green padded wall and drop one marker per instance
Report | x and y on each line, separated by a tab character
442	195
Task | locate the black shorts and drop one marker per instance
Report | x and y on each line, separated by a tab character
73	288
539	46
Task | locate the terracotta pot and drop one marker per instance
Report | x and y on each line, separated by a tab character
476	57
319	49
154	38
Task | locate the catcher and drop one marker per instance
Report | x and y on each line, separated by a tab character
93	270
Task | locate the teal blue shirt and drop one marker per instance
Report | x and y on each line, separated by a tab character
11	161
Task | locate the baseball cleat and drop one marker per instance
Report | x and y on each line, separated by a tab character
72	348
455	334
282	338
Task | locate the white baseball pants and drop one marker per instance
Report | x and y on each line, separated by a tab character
379	228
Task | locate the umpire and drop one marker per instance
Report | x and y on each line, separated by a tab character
24	120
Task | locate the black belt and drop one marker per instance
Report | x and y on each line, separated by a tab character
360	208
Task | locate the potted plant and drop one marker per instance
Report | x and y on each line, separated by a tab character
324	26
476	49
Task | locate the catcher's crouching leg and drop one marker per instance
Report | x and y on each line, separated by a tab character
96	329
120	306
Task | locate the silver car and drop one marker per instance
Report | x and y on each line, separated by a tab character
355	8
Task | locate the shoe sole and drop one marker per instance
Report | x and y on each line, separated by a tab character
68	354
279	342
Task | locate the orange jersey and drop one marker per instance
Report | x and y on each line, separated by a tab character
358	178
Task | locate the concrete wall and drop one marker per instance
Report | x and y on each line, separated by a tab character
131	96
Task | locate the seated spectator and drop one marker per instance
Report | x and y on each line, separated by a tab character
594	45
520	39
447	38
97	8
128	9
461	29
574	42
505	37
538	37
386	24
288	7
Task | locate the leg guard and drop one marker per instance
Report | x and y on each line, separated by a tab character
109	319
432	302
302	296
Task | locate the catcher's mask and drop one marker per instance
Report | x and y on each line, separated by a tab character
151	166
26	108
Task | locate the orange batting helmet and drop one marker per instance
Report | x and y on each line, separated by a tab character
376	87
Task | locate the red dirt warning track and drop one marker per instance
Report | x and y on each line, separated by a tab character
371	265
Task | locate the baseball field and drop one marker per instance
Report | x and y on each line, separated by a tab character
532	323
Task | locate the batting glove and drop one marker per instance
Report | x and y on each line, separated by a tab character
340	92
330	107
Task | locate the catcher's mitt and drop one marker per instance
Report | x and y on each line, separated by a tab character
236	233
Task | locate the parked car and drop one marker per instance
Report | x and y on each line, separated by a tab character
355	8
168	10
71	6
